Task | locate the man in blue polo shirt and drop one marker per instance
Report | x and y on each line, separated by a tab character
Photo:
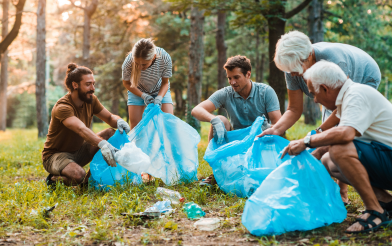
243	100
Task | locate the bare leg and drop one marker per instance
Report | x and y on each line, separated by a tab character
353	172
167	108
225	121
135	114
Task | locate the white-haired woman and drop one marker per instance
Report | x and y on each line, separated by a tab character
145	73
294	55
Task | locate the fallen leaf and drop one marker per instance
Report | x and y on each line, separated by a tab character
305	240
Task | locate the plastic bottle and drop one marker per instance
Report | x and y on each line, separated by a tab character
170	195
193	211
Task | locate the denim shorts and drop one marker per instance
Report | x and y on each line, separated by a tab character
138	101
377	160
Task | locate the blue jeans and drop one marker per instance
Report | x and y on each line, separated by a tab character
138	101
377	160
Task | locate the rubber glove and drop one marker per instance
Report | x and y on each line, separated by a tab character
158	100
265	125
147	98
219	130
123	126
108	152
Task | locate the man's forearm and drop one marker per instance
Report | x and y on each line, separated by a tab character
113	120
202	115
337	135
88	135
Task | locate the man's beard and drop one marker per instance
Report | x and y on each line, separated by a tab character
84	98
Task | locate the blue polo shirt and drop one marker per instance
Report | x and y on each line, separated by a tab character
243	112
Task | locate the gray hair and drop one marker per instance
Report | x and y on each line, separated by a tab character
291	50
325	73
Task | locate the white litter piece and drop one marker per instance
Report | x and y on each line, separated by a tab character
133	158
207	224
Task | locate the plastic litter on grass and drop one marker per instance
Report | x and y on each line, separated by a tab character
193	211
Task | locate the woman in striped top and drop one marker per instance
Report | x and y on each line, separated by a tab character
145	73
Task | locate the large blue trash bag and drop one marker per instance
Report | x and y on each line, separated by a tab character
298	195
170	143
103	176
242	164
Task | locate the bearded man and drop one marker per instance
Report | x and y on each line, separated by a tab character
70	143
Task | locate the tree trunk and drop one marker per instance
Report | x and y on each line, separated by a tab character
316	34
259	62
4	70
86	39
258	55
40	95
276	77
115	103
180	106
196	58
222	57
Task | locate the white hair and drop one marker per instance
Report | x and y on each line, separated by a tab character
291	50
325	73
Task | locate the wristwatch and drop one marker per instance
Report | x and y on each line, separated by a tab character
307	141
318	129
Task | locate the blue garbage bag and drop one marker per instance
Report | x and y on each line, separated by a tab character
241	165
103	175
170	143
298	195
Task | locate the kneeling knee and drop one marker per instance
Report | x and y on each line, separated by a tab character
107	133
79	175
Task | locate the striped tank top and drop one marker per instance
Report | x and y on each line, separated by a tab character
150	79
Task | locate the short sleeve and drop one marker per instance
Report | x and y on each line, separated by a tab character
127	68
218	98
356	112
63	111
291	83
97	106
167	70
271	100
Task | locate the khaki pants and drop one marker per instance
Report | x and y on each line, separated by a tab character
57	162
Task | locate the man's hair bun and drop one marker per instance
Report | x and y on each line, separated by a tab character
71	67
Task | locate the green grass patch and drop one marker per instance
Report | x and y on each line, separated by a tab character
89	216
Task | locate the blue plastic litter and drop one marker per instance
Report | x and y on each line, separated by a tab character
241	165
161	206
170	143
299	195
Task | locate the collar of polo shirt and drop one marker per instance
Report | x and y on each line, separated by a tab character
251	94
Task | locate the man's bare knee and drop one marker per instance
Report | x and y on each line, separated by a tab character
107	133
225	121
74	173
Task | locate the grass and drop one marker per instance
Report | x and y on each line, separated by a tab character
84	217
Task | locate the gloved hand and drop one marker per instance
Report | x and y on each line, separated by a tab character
147	98
108	152
219	130
265	125
158	100
123	126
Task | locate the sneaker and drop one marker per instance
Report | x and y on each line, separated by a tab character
50	183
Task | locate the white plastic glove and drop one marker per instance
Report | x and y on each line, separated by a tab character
123	126
108	152
147	98
158	100
265	125
219	130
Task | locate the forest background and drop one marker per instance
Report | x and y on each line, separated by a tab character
199	36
